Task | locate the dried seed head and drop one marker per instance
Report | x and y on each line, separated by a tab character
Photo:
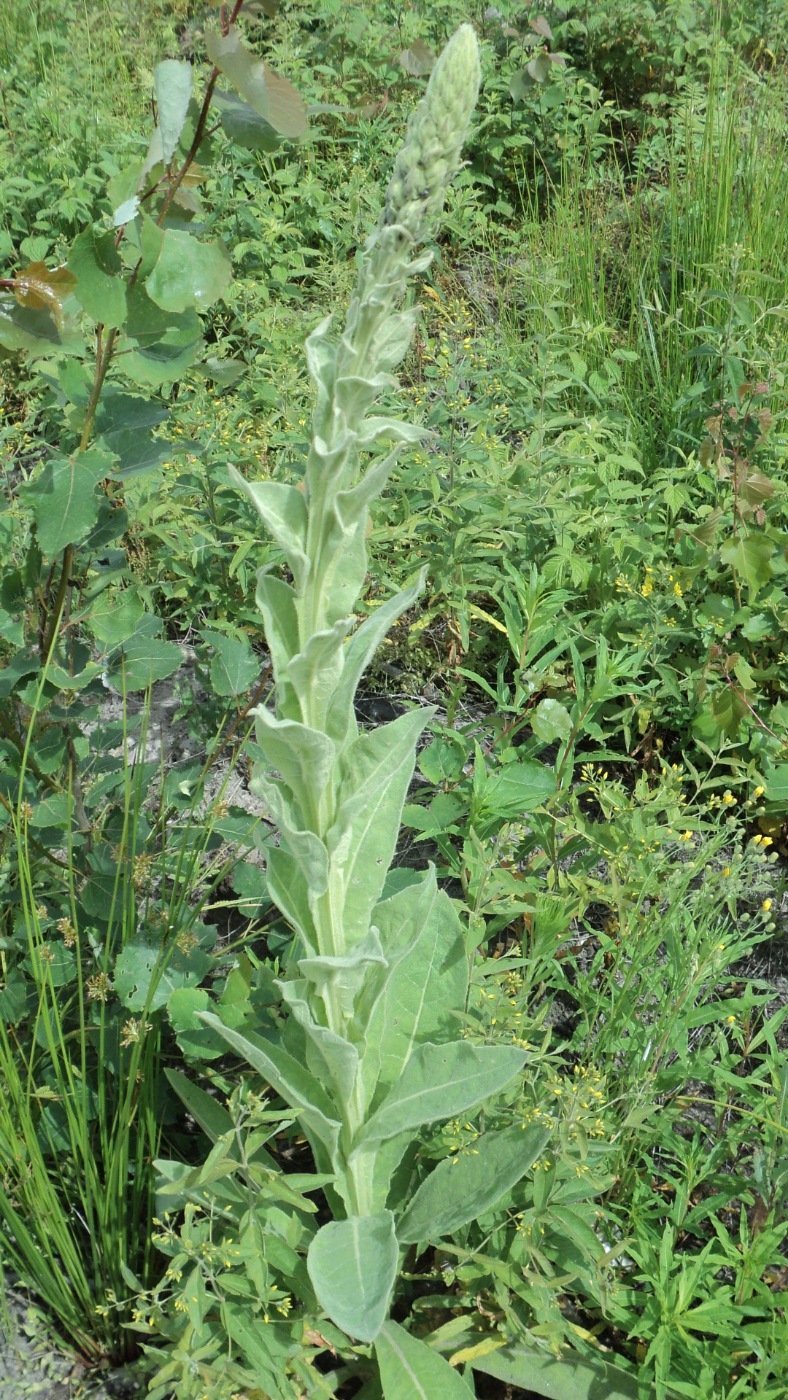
431	153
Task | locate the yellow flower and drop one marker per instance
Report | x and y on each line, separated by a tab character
766	906
686	836
678	590
728	798
759	791
726	871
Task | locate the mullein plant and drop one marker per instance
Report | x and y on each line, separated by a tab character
379	974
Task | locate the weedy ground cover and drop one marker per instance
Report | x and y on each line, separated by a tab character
216	1017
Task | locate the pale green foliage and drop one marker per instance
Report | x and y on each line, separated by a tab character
368	1057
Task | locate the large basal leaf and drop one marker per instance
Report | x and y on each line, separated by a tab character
188	273
570	1378
462	1188
172	82
100	288
353	1267
273	98
410	1370
65	504
440	1081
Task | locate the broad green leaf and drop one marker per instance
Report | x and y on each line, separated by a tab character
462	1188
283	511
573	1377
100	289
516	788
272	97
244	126
377	768
141	660
188	273
305	757
125	423
115	615
550	721
234	668
751	557
410	1370
353	1267
30	332
330	1057
424	986
145	976
276	601
172	81
65	504
440	1081
299	1089
359	652
214	1120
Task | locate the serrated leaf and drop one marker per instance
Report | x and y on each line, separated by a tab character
66	505
410	1370
172	81
188	273
353	1267
463	1187
97	268
234	668
273	98
142	660
440	1081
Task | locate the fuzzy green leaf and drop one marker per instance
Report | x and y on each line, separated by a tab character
377	768
461	1188
573	1377
291	1080
424	987
410	1370
283	511
353	1267
440	1081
